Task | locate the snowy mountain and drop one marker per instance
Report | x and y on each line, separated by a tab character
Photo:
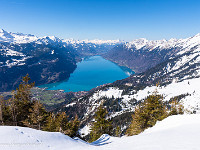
16	37
84	46
175	64
46	59
92	47
142	54
174	132
178	76
20	38
164	44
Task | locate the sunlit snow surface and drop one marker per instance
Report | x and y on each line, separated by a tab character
188	87
191	87
28	38
175	132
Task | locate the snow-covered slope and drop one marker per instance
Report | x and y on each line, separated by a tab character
16	37
179	76
176	63
164	44
175	132
24	53
22	138
126	94
187	91
142	54
189	88
137	44
12	43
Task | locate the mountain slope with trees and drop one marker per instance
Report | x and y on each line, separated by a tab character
168	77
23	110
44	63
142	54
46	59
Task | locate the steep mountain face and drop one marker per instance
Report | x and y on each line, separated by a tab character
45	59
178	76
141	54
44	63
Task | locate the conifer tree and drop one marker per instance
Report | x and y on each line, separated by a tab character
6	115
37	116
175	107
136	126
1	111
75	126
118	131
60	123
13	107
21	101
72	127
100	125
147	114
22	110
50	123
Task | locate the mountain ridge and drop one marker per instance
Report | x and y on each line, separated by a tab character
172	65
141	54
27	38
180	71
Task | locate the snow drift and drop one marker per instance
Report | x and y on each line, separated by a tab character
175	132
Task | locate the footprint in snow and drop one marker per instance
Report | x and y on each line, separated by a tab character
29	136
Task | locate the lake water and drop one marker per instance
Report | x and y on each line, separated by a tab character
90	73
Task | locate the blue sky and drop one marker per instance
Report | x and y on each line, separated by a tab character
102	19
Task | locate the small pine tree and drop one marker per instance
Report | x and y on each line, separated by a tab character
1	110
118	131
37	116
5	110
60	123
22	110
176	108
50	123
137	123
100	125
72	127
21	101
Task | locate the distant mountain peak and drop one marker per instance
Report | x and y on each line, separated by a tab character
1	30
197	35
136	44
27	38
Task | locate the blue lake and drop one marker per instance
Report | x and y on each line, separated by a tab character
90	73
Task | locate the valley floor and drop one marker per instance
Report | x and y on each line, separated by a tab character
173	133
